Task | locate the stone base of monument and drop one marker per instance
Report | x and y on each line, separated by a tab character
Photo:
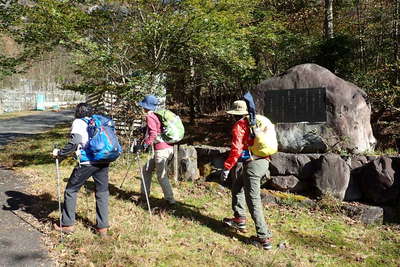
372	181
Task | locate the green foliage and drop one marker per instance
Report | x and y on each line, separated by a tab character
336	54
7	66
113	42
206	51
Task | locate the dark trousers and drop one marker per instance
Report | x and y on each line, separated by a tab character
78	178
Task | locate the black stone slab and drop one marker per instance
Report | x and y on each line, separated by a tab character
296	105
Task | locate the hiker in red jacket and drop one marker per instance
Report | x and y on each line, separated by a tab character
248	171
163	152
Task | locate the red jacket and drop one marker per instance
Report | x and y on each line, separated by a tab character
241	140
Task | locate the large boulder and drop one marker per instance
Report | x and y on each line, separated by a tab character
379	180
332	175
347	123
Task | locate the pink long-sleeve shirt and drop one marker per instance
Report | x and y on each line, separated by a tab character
154	129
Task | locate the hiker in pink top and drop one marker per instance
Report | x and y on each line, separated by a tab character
163	152
153	132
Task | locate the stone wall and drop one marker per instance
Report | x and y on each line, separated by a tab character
370	179
19	92
369	186
25	98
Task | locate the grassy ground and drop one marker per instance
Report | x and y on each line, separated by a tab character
9	115
192	234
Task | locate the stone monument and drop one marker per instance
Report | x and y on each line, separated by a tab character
325	112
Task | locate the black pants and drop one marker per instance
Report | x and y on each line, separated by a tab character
78	178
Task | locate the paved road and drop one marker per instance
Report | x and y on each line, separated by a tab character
20	241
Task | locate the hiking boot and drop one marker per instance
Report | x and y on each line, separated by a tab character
264	243
65	229
102	232
236	223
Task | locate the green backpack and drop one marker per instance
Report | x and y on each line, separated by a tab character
173	130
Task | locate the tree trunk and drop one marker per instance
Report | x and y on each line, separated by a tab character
328	25
361	48
396	38
192	85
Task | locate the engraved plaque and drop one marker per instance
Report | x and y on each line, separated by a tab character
296	105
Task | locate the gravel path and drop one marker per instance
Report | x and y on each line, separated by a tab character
20	242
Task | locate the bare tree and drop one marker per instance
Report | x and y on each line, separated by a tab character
328	24
396	18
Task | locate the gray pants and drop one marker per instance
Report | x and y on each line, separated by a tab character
246	190
78	178
159	162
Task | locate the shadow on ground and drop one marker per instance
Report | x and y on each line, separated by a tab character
179	210
42	206
39	207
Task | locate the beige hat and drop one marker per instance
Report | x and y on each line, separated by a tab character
239	108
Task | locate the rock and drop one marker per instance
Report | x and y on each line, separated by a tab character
353	191
364	213
283	245
211	154
209	157
302	137
187	157
396	162
391	214
287	183
358	161
379	181
290	164
371	158
332	176
348	115
210	151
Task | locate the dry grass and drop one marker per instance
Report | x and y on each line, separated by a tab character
9	115
191	234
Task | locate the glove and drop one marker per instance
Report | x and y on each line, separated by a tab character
224	175
139	148
55	152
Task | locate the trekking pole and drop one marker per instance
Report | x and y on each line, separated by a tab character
59	194
141	175
144	184
129	166
134	142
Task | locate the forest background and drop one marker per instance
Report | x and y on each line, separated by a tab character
206	52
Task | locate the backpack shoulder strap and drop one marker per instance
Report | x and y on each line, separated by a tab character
86	120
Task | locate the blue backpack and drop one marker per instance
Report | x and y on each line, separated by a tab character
103	145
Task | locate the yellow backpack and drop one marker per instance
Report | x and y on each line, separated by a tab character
265	141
